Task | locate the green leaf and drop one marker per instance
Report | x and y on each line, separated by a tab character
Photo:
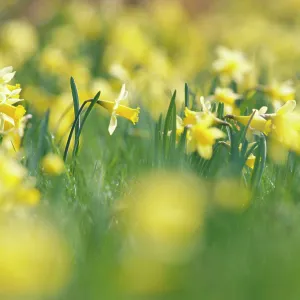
158	139
260	163
42	143
244	131
88	111
76	106
214	84
170	126
73	128
186	95
182	141
220	111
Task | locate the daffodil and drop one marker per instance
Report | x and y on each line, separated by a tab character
8	92
6	75
258	122
116	109
231	64
285	128
11	117
53	164
191	117
228	97
280	92
201	138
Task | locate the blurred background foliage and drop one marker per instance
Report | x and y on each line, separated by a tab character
182	240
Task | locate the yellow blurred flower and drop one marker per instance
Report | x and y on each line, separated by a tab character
53	164
164	211
54	61
226	96
16	188
280	92
231	64
34	258
38	99
285	131
230	194
163	219
82	15
19	41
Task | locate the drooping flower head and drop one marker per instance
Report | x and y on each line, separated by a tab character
116	109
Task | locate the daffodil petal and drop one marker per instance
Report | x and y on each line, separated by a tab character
205	151
112	124
288	107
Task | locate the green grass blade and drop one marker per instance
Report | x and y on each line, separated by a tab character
158	139
73	128
170	125
88	111
186	95
220	111
182	142
76	106
260	163
42	143
244	132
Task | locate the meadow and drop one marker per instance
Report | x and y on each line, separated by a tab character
149	151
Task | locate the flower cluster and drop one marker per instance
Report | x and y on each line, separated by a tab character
12	114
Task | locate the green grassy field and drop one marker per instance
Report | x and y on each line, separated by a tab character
147	161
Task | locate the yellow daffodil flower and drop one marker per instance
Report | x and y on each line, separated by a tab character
281	92
231	64
258	122
6	75
11	117
191	117
285	129
226	96
115	109
201	138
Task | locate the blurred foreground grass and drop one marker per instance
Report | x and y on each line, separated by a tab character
184	186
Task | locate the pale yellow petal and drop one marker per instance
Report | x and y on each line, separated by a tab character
205	151
217	133
288	107
112	124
